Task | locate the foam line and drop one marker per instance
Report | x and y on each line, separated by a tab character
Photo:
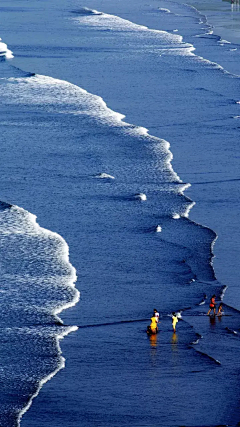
120	322
217	362
162	9
50	376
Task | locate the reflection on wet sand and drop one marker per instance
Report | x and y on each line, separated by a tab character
153	340
212	320
174	341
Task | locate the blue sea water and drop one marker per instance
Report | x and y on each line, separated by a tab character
109	112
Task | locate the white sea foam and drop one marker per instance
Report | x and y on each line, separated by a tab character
223	292
188	208
162	148
112	22
41	247
184	187
4	51
104	176
162	9
169	43
176	216
163	42
89	11
222	41
38	279
195	342
103	22
141	196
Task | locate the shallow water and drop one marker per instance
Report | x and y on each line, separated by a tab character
70	157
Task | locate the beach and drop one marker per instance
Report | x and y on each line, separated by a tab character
120	191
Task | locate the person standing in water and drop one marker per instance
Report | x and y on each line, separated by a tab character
174	321
153	328
220	310
156	314
212	305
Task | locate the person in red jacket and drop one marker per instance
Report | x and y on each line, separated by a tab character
212	305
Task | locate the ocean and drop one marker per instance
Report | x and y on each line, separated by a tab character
119	194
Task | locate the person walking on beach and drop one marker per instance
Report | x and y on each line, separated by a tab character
212	305
174	321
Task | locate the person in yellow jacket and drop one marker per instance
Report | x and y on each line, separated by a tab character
153	328
174	321
154	324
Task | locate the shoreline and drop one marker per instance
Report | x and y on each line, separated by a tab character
223	17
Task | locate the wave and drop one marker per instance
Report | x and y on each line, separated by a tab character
169	43
66	98
37	283
35	259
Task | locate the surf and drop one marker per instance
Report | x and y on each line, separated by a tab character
37	284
